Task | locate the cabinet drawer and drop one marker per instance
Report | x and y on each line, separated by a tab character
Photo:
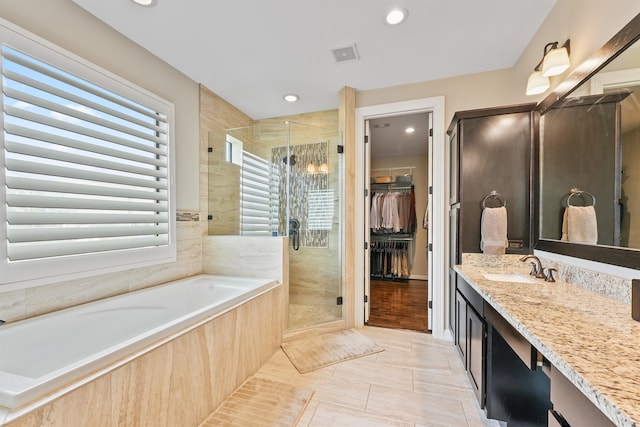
470	294
574	406
519	344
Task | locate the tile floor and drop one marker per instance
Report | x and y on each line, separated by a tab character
417	381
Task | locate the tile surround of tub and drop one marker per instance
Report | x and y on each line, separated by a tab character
180	382
21	304
604	284
248	256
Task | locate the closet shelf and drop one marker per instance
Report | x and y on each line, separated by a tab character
391	186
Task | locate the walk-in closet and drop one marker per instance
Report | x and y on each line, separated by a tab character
398	221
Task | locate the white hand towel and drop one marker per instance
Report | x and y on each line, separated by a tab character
493	230
581	225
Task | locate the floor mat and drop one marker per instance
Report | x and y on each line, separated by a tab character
261	402
308	354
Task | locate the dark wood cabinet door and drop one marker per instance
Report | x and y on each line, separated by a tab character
461	327
476	328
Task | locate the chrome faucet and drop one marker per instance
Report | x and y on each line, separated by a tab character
536	269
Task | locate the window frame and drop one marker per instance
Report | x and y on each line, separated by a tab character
43	271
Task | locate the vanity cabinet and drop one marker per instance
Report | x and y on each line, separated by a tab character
571	408
470	336
492	150
517	387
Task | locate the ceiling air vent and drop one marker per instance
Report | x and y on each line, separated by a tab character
348	53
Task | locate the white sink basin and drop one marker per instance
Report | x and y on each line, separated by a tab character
508	277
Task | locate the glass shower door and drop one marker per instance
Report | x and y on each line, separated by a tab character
312	213
285	179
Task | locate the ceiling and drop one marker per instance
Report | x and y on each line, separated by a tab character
252	52
388	136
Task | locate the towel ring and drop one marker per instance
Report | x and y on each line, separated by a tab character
581	194
494	195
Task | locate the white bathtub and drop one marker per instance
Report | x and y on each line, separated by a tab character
44	354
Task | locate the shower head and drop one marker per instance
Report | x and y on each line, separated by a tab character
291	160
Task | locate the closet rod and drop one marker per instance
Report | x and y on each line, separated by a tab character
404	237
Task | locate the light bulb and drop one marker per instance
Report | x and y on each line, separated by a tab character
555	62
537	83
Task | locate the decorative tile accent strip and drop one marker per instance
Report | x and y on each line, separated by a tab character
311	201
187	216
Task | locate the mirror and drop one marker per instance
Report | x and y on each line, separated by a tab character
589	182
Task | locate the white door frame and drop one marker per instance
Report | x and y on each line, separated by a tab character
437	221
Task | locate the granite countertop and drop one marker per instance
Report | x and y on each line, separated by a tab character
590	338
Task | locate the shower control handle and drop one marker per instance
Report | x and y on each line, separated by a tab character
294	233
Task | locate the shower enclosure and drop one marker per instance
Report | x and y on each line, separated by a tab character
285	179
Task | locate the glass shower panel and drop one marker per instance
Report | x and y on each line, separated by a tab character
284	179
314	187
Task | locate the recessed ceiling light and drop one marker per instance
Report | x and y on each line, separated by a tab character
291	97
396	16
410	130
145	2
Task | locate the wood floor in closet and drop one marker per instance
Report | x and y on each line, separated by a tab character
398	304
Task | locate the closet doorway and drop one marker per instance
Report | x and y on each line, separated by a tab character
396	159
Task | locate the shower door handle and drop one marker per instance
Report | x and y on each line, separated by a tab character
294	233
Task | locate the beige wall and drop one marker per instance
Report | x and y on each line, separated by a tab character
461	93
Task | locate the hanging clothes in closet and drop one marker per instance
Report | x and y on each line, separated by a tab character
393	211
393	223
390	260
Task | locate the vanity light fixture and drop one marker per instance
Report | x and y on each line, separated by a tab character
555	61
145	2
291	97
410	129
396	16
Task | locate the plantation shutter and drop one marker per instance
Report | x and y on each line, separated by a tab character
86	169
255	189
